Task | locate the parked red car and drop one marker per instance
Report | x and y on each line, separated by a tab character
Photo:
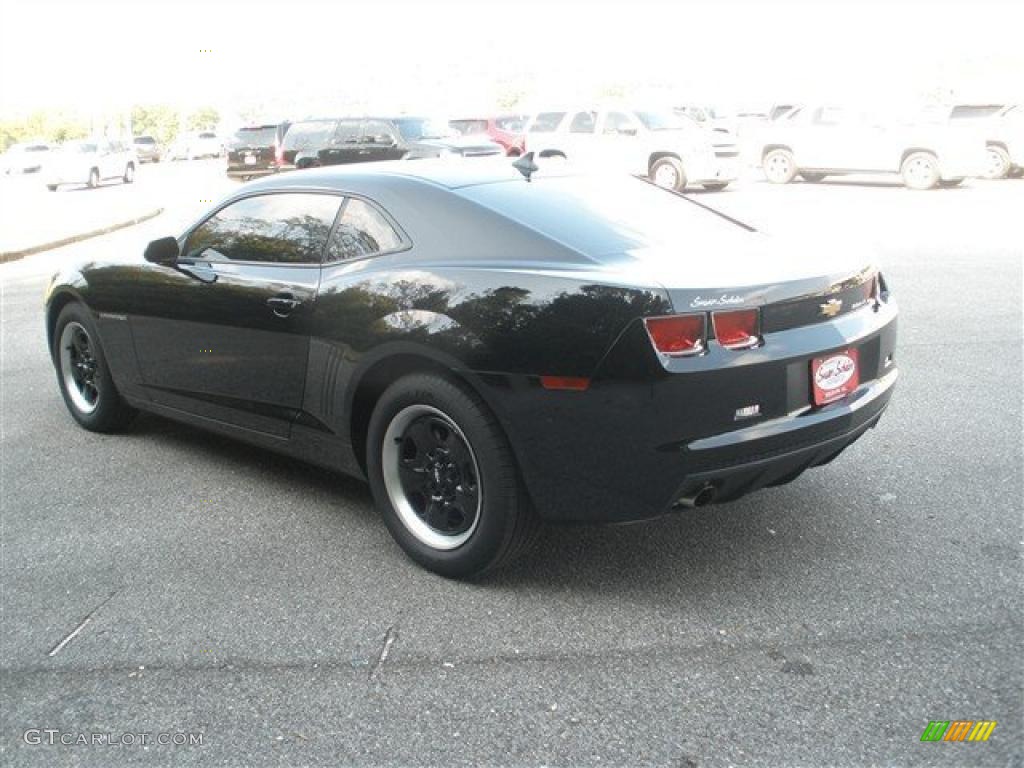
506	130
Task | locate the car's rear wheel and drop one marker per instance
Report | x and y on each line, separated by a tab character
85	379
998	164
813	178
129	173
94	179
668	173
920	170
779	166
444	478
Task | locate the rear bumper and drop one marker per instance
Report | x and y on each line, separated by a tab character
249	172
777	452
638	440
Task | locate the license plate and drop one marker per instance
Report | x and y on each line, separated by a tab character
835	376
250	160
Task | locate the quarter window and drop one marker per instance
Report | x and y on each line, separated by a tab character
288	228
362	231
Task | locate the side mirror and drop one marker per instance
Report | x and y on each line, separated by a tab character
627	131
163	251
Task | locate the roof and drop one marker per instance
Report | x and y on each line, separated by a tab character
450	174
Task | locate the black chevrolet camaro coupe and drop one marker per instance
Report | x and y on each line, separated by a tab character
487	348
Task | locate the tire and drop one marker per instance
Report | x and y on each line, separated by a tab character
1015	172
716	186
668	173
429	441
950	183
812	178
83	375
52	187
998	163
129	173
94	179
779	166
920	170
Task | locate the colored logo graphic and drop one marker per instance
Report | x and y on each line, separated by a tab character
958	730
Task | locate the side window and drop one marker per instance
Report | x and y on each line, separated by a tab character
378	132
362	231
583	122
547	122
347	132
829	116
618	122
287	228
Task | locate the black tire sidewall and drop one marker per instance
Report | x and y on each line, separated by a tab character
110	409
501	497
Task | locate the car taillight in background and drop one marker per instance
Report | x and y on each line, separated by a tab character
738	329
677	335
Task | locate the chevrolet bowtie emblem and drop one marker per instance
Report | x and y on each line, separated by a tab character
831	307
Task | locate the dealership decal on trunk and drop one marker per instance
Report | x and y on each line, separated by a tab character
834	377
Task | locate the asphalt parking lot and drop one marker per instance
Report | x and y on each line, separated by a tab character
261	603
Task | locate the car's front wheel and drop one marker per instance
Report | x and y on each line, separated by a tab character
920	170
779	166
94	179
444	478
82	372
129	173
668	173
998	165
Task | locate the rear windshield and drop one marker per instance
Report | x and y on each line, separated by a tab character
262	136
512	123
970	111
600	215
312	133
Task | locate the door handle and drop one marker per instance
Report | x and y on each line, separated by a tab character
283	304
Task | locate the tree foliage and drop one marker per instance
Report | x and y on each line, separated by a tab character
42	125
156	120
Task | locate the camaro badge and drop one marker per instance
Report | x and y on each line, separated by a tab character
831	307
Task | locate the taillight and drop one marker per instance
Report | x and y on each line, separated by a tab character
738	329
677	335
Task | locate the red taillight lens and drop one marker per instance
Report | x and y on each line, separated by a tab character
736	330
677	334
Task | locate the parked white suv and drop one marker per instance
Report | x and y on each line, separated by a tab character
89	162
820	141
670	149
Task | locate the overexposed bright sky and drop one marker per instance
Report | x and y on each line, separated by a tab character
298	58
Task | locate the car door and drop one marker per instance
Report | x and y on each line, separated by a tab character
225	333
343	146
378	141
580	139
619	141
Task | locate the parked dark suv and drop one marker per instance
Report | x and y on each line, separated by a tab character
334	141
256	150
